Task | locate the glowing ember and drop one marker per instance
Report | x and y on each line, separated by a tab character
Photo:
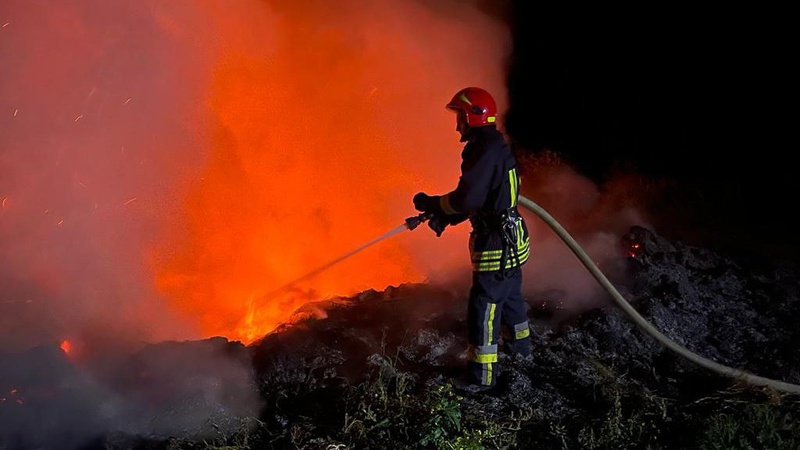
13	396
65	346
632	245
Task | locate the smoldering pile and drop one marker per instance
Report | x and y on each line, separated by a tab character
306	377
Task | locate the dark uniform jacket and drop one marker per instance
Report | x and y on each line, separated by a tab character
487	194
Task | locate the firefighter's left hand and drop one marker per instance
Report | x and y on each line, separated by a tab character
437	223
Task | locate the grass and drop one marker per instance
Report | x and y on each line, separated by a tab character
395	409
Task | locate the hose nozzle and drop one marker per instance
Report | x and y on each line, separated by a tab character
415	221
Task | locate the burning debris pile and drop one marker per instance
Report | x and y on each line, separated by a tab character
371	371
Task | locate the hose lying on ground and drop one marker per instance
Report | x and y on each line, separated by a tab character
640	321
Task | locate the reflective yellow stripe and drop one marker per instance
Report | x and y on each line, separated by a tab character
487	266
521	334
490	323
490	259
485	355
523	246
523	257
482	354
486	359
488	254
512	182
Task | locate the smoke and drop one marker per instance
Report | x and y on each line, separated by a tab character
195	390
596	216
94	143
166	164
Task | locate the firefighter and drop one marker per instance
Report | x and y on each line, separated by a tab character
486	195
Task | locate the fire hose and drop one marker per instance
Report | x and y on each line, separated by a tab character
414	221
641	321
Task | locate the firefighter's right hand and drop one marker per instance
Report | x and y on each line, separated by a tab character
437	223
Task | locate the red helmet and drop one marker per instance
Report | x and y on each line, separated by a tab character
477	104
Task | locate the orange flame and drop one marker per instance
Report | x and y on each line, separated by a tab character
65	346
321	130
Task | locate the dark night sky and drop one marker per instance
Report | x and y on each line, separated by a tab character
703	100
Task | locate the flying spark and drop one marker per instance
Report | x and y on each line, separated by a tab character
133	199
15	112
79	118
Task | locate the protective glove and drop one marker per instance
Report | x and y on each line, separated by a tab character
438	223
427	203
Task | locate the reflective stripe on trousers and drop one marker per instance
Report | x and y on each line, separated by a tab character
494	302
